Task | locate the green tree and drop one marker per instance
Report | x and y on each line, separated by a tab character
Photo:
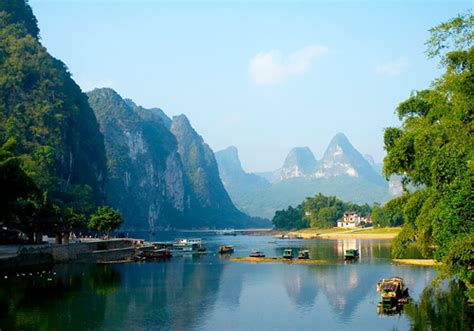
57	135
105	219
441	308
327	217
74	220
434	150
16	186
390	214
319	211
291	218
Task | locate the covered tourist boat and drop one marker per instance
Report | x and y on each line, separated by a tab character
351	254
393	292
303	254
288	253
188	245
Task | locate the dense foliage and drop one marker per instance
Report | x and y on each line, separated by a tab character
441	309
53	158
434	150
105	219
390	214
319	211
17	186
57	135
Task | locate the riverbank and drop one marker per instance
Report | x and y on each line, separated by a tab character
341	233
419	262
87	250
275	260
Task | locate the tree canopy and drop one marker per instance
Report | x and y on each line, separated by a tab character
319	211
105	219
434	150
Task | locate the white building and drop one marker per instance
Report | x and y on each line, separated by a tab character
350	220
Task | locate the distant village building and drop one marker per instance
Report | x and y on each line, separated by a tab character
350	220
367	220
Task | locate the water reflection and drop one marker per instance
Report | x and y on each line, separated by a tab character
344	286
69	295
301	287
165	295
441	309
212	292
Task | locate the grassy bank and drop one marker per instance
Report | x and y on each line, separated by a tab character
420	262
342	233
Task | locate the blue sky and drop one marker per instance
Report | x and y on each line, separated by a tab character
263	76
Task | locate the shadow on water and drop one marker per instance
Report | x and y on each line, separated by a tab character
71	295
441	309
175	294
212	292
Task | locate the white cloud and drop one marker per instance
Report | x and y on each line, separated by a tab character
392	68
272	67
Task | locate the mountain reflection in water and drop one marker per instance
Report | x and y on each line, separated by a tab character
212	292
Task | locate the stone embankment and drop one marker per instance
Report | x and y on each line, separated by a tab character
18	256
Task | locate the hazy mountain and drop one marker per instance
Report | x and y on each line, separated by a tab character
342	172
200	166
300	162
270	176
161	175
241	186
369	158
231	172
342	159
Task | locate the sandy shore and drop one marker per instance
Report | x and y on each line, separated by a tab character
275	259
421	262
346	234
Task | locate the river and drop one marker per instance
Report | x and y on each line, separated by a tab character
210	292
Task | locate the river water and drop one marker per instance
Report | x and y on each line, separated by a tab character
210	292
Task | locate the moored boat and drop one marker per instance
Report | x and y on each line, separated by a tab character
226	249
393	291
188	245
303	254
155	254
256	254
351	254
288	253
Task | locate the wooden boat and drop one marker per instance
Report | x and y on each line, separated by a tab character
256	254
351	254
393	292
303	254
288	253
188	245
226	249
155	254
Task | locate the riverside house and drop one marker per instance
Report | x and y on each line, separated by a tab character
350	220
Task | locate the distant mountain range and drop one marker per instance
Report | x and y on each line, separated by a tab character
342	171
